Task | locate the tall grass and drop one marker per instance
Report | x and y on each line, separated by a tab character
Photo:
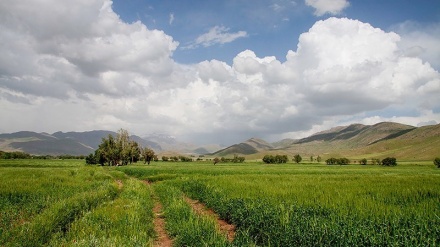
26	191
58	217
187	228
309	205
126	221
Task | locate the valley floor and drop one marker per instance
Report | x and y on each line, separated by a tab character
66	203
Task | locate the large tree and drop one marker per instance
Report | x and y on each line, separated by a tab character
116	151
148	154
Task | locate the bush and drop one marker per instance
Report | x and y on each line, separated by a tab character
91	159
297	158
389	161
335	161
375	161
277	159
363	161
437	162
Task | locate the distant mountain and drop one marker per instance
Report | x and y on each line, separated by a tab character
73	143
89	138
353	141
284	143
42	144
356	140
358	134
251	146
170	143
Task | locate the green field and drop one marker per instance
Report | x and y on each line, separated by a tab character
66	203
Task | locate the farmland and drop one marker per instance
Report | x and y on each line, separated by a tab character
66	203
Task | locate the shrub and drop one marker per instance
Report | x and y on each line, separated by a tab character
277	159
437	162
297	158
335	161
375	161
389	161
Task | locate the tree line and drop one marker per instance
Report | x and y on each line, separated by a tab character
120	150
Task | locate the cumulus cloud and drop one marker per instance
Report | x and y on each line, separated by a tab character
216	35
84	48
91	70
420	40
323	7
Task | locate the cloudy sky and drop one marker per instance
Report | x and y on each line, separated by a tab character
217	71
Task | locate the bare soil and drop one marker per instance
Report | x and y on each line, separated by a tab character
162	240
225	227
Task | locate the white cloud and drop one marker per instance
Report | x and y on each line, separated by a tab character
171	19
91	70
216	35
420	40
74	48
323	7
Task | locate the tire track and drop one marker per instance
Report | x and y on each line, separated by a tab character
162	240
201	209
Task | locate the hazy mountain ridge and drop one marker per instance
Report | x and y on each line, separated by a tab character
251	146
386	138
83	143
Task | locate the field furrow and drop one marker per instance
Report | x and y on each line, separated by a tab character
201	209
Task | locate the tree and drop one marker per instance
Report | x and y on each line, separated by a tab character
164	158
297	158
277	159
135	152
108	151
437	162
331	161
238	159
375	161
148	154
91	160
216	160
318	159
124	146
343	161
311	158
363	161
389	161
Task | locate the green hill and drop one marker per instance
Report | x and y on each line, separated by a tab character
355	141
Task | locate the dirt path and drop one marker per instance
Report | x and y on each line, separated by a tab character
224	226
163	240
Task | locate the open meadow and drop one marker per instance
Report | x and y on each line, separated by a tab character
68	203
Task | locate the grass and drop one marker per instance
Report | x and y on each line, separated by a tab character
66	203
185	226
126	221
313	204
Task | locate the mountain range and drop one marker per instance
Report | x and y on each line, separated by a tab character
83	143
353	141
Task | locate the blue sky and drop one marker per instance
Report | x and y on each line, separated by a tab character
218	71
272	27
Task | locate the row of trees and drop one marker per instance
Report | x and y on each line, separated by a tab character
177	158
337	161
120	151
236	159
22	155
389	161
275	159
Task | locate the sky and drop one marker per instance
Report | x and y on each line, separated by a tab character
217	71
